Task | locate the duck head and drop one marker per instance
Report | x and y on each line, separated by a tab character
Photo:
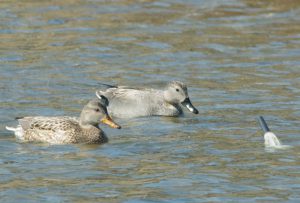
95	111
176	93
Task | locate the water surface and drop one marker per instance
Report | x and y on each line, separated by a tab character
239	58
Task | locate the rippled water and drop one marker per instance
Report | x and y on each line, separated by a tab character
240	59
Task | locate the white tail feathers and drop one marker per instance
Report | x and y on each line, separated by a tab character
11	129
19	133
98	94
102	98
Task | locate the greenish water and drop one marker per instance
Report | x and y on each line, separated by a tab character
240	59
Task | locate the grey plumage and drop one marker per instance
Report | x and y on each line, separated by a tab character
135	102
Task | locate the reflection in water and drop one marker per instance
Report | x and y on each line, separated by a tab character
239	57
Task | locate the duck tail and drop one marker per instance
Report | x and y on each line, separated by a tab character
18	131
11	128
107	85
263	124
102	98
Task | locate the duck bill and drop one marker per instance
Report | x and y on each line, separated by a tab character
187	103
108	121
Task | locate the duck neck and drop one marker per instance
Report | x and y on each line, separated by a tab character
172	108
91	134
85	124
167	99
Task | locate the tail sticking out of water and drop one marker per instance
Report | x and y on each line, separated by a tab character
263	124
271	141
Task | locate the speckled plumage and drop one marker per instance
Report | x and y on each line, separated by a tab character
59	130
64	129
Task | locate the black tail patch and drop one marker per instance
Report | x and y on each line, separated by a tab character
107	85
263	124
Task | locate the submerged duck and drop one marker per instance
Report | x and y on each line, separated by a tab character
67	130
126	102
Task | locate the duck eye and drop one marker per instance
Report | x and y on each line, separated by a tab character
97	110
177	90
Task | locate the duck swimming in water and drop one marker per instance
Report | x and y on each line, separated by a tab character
67	130
127	102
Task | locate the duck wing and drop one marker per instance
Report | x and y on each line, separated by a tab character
47	123
49	129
